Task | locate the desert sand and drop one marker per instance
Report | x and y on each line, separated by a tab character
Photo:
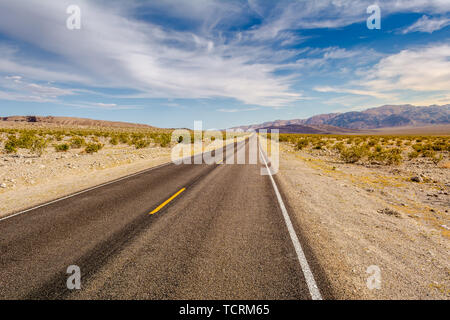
356	216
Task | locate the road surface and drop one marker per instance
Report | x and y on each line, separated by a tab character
216	232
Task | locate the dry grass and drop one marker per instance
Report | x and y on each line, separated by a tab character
90	139
367	149
38	140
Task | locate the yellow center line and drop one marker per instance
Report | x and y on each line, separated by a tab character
162	205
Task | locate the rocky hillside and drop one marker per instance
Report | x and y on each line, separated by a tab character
382	117
70	121
306	129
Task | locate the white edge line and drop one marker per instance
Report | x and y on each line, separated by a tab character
309	277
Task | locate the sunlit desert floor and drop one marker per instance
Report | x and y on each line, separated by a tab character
357	215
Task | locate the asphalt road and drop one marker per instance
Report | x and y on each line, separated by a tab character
222	237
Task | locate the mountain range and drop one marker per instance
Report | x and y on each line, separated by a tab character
388	116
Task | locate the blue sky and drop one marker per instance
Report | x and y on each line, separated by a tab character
170	62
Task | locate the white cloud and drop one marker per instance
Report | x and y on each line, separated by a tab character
308	14
101	105
113	50
16	88
410	76
426	24
237	110
419	69
359	92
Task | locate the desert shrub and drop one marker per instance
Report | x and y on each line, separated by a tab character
378	148
124	138
413	154
339	146
93	147
429	153
162	139
393	156
64	147
165	140
439	146
319	145
11	146
418	147
26	140
302	143
376	156
58	136
140	144
77	142
386	156
114	141
39	146
353	154
285	138
137	136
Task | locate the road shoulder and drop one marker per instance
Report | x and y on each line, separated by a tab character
340	221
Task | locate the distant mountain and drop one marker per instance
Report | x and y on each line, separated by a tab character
70	121
319	129
388	116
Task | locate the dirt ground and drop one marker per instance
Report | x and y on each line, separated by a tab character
356	216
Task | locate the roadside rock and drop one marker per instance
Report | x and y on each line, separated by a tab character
389	212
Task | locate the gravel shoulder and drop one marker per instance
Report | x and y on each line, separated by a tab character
357	216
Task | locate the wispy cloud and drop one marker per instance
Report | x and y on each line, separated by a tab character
18	89
394	80
160	63
307	14
425	68
359	92
102	106
427	24
237	110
